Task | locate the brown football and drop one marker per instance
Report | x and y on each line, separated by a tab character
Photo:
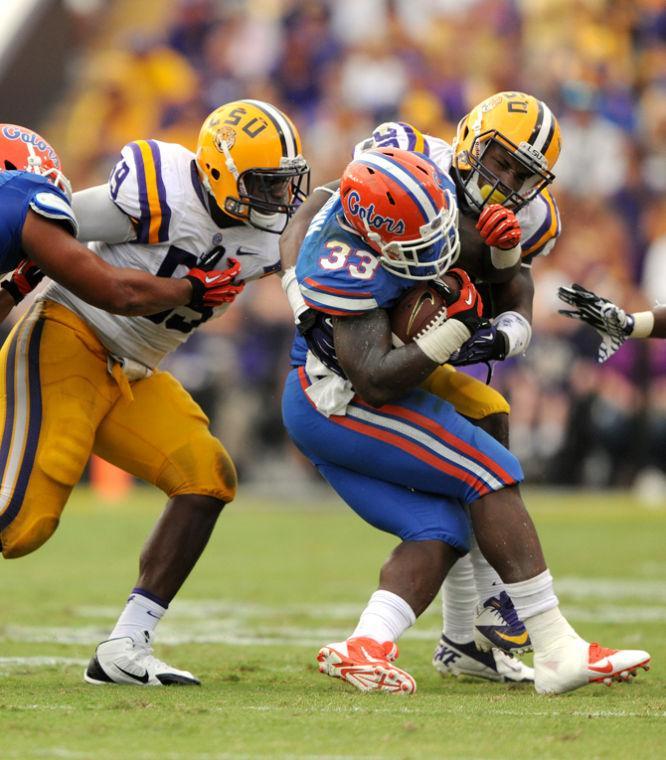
418	308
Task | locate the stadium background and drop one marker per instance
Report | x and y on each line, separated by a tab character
109	71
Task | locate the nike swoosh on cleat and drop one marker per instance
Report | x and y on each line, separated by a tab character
522	639
140	679
607	668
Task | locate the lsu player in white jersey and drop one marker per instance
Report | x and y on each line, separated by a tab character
501	162
164	211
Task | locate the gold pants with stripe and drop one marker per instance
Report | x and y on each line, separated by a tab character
58	404
469	396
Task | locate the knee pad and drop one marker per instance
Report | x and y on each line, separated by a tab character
30	539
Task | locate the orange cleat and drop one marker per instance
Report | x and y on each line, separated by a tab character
366	664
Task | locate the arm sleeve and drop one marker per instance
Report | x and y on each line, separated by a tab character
99	217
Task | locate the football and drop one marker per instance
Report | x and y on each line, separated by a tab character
419	307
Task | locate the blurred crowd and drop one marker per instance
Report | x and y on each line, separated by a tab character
338	67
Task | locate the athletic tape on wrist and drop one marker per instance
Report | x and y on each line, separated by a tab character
503	259
440	343
293	292
517	330
643	324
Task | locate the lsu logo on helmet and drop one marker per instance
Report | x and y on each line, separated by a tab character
249	160
520	126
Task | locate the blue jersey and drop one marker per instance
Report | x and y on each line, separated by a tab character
21	192
339	276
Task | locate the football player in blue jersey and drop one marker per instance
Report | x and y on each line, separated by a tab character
38	236
501	163
405	460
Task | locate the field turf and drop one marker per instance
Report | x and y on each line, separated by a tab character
277	581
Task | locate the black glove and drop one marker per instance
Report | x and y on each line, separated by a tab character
486	344
25	278
609	320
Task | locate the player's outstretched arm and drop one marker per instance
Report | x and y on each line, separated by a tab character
612	323
290	245
119	290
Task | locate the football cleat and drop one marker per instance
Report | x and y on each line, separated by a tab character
126	661
497	625
451	659
366	664
577	663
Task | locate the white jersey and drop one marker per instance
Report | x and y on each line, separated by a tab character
539	219
156	184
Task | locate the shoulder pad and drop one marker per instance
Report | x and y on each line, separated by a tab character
394	134
137	186
50	202
545	228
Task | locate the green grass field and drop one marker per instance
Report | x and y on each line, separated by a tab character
277	582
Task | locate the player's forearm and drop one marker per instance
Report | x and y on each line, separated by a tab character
292	238
379	373
133	293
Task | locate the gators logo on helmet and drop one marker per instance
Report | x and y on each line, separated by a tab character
402	205
21	149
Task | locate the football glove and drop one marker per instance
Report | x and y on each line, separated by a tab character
610	321
25	278
465	305
486	344
499	227
214	287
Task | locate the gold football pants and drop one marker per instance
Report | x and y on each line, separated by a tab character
59	403
469	396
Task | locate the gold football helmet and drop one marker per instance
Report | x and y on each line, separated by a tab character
249	160
510	134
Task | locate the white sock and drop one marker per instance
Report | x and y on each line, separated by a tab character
488	583
459	600
386	617
140	614
549	630
537	606
533	596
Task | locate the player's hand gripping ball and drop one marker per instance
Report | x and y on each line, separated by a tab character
422	307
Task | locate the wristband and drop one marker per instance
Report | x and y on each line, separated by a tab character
440	343
503	259
517	331
643	324
293	292
12	288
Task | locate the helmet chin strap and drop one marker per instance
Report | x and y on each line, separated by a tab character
229	162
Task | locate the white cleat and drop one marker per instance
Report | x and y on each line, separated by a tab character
125	661
366	664
451	659
577	663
